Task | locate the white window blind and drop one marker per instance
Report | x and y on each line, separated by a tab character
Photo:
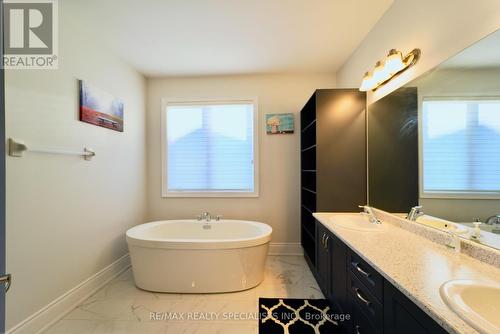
461	146
210	148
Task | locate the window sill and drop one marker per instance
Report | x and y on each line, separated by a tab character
210	194
460	195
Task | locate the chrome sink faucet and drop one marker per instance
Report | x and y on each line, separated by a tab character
494	221
367	210
415	212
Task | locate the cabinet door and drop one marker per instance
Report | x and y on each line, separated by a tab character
341	149
323	258
338	270
338	280
401	315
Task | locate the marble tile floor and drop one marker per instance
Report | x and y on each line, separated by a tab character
121	308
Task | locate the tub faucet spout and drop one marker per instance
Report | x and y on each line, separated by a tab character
206	216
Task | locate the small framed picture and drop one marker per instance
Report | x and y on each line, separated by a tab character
279	123
100	108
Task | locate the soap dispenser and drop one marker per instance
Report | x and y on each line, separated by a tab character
476	233
454	241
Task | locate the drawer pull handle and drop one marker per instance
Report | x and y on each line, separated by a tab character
326	242
360	297
323	239
360	270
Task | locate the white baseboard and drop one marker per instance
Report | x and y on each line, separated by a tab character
285	248
48	315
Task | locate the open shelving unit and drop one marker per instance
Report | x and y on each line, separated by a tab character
333	159
308	178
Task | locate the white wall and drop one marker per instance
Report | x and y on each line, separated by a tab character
440	28
459	83
278	203
66	217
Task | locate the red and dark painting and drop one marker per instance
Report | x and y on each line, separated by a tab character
100	108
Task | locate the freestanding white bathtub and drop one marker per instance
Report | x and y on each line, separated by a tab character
190	256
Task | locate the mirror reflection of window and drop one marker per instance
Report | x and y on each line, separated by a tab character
461	146
457	161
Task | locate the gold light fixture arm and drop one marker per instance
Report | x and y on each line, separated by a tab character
412	58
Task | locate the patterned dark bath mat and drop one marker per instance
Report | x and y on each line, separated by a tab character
296	316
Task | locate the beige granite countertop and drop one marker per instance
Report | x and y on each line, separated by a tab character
416	266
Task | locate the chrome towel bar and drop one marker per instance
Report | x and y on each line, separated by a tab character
17	149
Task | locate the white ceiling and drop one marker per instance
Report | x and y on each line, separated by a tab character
483	54
211	37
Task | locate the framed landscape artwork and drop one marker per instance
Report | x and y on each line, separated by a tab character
279	123
100	108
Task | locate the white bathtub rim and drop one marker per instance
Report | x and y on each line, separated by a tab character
186	245
134	238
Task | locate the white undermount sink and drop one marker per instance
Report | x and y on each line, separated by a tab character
476	302
354	221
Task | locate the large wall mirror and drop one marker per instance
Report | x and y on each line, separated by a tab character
435	143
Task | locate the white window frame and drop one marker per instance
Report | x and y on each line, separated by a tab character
165	102
446	194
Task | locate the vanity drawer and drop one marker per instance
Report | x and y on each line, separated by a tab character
360	297
366	274
361	324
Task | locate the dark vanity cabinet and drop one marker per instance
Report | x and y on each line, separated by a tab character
333	158
323	253
338	276
354	287
331	255
401	315
334	179
364	290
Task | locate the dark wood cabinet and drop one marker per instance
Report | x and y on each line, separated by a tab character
331	267
354	287
338	280
401	315
341	150
333	179
333	158
338	277
360	324
330	271
323	267
366	274
362	298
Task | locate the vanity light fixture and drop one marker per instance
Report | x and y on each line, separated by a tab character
385	70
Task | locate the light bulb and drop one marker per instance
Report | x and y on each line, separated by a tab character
394	62
380	74
367	83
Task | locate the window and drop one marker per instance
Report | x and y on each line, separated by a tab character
210	149
461	148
